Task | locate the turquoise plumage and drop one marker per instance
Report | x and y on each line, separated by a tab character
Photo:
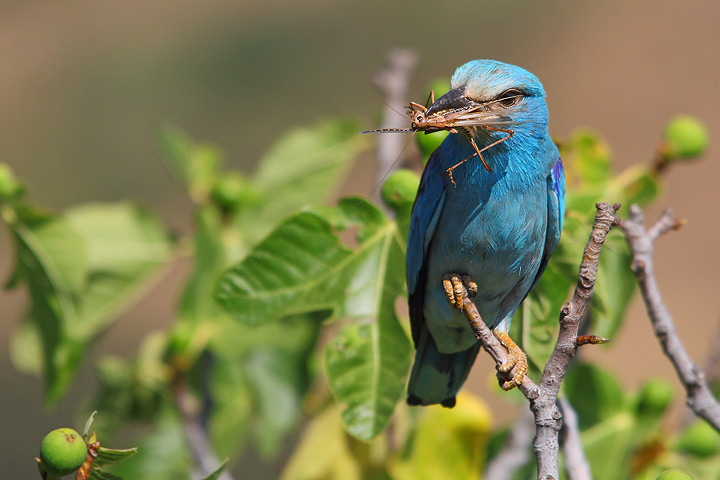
497	228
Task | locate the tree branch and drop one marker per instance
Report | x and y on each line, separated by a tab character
205	460
393	81
712	364
576	465
699	397
515	453
543	396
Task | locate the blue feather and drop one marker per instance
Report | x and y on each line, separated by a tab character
499	228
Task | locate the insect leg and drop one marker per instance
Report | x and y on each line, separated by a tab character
478	152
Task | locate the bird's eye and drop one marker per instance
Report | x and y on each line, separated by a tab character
509	98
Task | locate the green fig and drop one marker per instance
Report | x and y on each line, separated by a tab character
685	137
62	452
655	396
400	187
700	439
674	475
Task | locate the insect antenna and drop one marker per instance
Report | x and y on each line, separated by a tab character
392	166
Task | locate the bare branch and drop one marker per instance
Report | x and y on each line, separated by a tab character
576	465
543	397
492	345
712	364
516	451
393	81
699	397
204	458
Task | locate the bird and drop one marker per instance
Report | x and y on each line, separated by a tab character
489	224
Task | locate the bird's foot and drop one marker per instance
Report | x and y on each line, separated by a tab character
516	361
455	287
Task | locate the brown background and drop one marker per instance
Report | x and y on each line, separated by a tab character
84	83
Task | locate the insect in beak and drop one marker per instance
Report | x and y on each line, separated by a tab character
455	113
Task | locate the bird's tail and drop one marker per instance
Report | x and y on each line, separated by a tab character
437	377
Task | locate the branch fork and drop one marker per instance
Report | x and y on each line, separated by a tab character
641	241
543	397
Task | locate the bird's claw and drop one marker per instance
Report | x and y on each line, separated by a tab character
457	286
516	360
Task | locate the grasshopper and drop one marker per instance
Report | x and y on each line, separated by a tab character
460	120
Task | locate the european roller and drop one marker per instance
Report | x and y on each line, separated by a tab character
490	223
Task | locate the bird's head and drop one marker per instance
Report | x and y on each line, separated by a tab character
487	93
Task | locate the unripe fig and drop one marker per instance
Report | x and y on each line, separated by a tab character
232	190
699	439
674	475
655	396
440	86
400	187
62	452
9	185
685	137
427	143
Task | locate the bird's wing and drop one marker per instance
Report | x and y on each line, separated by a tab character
425	213
556	212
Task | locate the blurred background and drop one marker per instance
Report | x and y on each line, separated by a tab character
84	85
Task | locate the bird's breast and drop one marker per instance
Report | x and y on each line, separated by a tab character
498	241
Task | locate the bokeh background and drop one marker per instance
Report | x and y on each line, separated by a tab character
84	84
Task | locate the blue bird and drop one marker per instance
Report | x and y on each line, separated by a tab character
491	227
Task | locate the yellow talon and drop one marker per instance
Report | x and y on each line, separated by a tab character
456	287
516	358
448	286
459	291
472	287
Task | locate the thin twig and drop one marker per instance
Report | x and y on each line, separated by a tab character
699	397
205	460
393	81
712	364
543	396
576	465
516	451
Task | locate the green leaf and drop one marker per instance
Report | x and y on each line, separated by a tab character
215	475
636	185
277	386
446	443
109	456
595	393
81	270
366	360
614	287
614	438
259	377
232	415
535	324
195	165
126	248
298	268
44	253
327	452
364	365
99	474
26	348
588	157
214	246
305	162
162	453
132	390
608	429
302	267
305	167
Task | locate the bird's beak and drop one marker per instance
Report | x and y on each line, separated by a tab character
453	100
